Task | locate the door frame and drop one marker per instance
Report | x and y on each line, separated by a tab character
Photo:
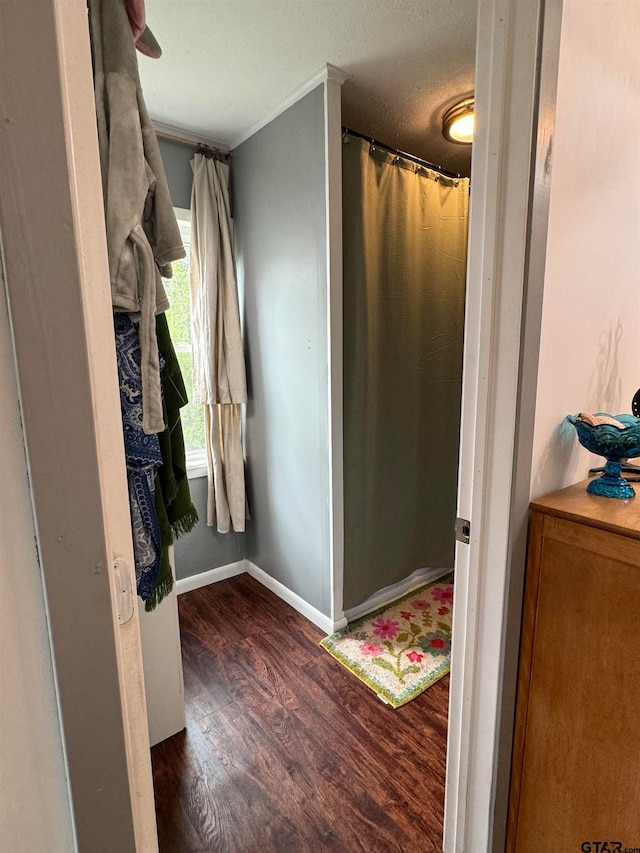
57	283
516	76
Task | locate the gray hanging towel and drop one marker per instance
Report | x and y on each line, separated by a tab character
142	233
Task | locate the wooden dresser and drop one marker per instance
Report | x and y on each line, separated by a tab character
576	763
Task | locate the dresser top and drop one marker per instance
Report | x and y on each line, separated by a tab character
576	504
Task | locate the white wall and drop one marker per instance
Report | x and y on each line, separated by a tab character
163	678
35	811
590	343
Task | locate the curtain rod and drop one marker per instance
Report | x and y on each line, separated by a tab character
202	147
399	153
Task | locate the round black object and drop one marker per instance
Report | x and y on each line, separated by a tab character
635	404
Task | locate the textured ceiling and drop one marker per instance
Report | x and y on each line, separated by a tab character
227	64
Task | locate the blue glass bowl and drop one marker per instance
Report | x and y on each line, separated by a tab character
616	445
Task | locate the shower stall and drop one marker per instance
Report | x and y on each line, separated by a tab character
404	249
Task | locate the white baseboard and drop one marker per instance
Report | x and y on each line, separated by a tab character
324	622
232	569
377	600
212	576
391	593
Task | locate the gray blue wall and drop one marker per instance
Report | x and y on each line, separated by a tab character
176	158
204	548
280	220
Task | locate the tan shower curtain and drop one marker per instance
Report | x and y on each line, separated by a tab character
405	237
219	381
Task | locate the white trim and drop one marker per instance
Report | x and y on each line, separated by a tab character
183	215
231	570
385	596
336	75
323	622
222	573
196	470
183	218
188	135
538	222
333	193
326	73
197	463
492	462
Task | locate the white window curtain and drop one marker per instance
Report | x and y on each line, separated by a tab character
219	379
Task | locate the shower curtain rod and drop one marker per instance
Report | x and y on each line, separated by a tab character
202	147
399	153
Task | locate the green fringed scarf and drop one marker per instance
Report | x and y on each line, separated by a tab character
176	513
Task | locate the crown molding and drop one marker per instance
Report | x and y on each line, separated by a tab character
179	134
328	73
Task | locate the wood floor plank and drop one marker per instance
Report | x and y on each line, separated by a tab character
285	751
270	782
360	746
309	780
207	793
204	697
175	829
287	621
422	721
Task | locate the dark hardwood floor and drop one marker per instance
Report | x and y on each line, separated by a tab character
284	750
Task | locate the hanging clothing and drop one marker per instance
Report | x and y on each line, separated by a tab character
175	510
142	455
142	35
219	380
142	233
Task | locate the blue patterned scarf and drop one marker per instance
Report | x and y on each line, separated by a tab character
142	453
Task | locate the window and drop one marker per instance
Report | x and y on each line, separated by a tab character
179	320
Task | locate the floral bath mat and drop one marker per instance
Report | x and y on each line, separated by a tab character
402	649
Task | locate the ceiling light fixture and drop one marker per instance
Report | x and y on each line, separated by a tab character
457	122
